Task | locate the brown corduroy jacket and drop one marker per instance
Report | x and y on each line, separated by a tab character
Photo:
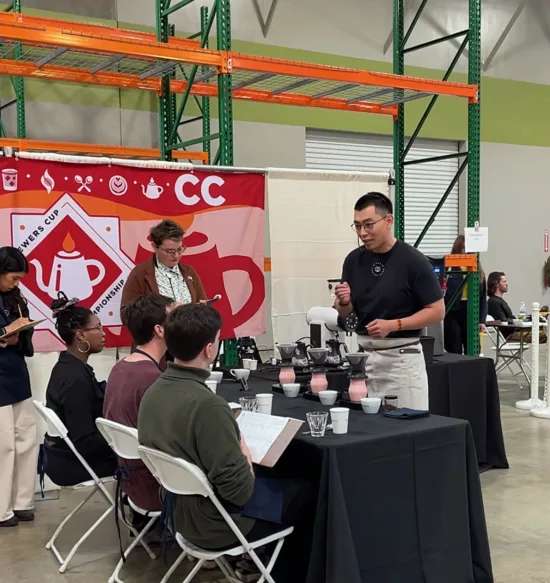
142	281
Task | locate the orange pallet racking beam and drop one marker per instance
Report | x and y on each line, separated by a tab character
18	28
95	149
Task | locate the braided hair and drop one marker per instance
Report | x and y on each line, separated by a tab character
69	317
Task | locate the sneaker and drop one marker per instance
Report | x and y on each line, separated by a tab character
13	521
247	575
24	515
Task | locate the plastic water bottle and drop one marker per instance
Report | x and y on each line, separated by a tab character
522	311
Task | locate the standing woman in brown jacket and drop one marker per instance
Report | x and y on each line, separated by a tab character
163	273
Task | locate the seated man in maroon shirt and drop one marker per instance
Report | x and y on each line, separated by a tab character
129	380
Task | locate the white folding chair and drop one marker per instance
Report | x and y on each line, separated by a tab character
124	442
185	479
56	428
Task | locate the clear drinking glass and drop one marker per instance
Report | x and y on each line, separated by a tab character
248	404
317	421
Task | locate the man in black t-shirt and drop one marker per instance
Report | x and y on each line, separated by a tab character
497	306
394	292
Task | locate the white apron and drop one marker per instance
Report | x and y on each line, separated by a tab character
396	369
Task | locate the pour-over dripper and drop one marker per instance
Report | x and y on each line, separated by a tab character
318	356
286	351
357	360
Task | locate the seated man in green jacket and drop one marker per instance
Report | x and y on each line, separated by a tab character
181	416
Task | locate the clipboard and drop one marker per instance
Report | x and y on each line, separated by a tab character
28	326
277	445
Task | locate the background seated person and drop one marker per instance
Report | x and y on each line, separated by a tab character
77	397
497	307
129	380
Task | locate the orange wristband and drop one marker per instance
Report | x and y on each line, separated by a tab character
399	324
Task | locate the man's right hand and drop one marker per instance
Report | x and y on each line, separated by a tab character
343	294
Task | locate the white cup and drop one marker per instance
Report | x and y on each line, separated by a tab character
371	405
216	375
328	397
291	390
253	364
212	385
240	373
265	402
339	417
246	363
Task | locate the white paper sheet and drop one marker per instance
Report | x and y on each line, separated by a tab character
476	240
260	432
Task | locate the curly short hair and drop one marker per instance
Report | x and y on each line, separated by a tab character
166	229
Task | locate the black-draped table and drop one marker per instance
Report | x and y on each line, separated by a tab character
466	387
398	501
463	387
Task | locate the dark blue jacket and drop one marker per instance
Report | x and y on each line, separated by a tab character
15	384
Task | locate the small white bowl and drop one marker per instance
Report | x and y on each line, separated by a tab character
292	390
328	397
371	405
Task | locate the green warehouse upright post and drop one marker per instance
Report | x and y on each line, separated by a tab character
472	38
474	138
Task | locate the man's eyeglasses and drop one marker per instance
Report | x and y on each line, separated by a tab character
357	227
174	252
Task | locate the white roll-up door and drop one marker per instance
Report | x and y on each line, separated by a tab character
425	184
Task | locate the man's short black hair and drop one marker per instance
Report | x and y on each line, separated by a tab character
379	201
144	313
189	329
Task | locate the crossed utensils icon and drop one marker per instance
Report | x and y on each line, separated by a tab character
83	182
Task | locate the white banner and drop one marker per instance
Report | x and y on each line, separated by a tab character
310	218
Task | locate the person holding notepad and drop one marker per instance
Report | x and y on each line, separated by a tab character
18	447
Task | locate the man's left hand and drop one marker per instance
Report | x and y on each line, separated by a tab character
381	328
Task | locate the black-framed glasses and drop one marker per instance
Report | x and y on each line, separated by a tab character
357	227
174	252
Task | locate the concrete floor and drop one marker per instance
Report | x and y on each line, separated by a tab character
517	506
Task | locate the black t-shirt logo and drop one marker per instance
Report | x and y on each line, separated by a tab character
378	269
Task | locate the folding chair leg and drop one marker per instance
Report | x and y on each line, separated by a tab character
50	543
171	570
151	554
273	558
83	538
227	570
194	571
114	577
265	574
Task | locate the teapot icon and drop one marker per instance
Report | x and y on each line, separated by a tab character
69	274
152	190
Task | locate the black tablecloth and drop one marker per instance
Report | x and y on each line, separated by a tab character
466	387
398	501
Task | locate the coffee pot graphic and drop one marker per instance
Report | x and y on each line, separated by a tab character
70	273
152	190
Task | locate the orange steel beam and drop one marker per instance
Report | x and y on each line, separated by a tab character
76	36
466	261
96	150
313	71
98	29
209	90
74	75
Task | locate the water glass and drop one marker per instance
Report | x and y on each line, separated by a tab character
248	404
317	421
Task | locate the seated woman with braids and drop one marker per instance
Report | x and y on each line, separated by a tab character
77	397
